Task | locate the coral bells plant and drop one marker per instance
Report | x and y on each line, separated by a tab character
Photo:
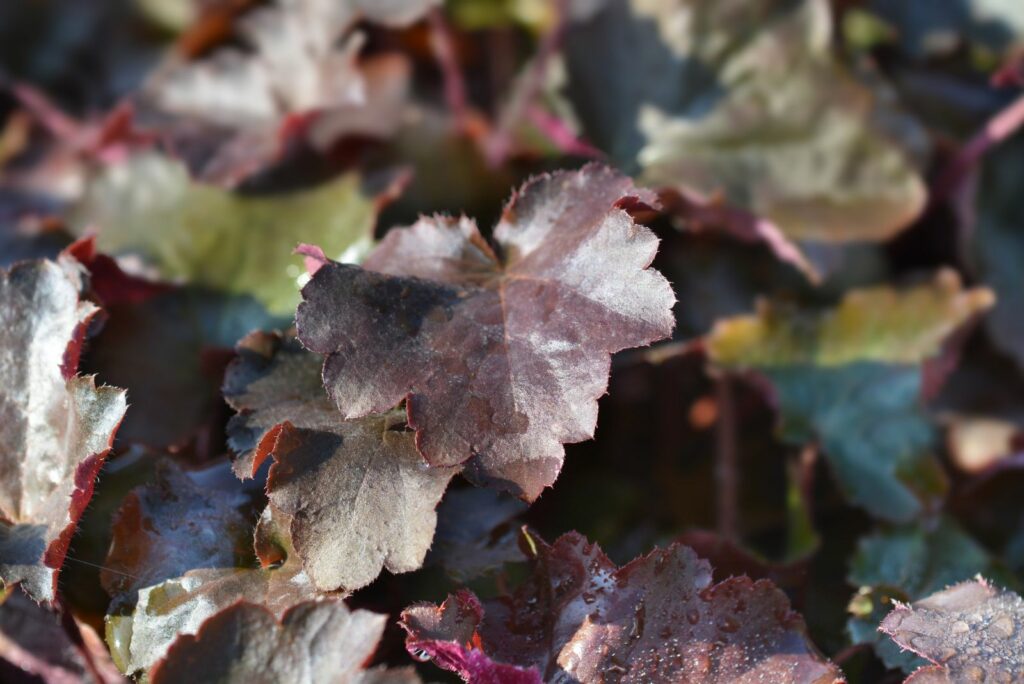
605	341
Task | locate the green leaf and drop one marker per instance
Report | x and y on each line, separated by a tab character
182	230
998	245
850	378
876	324
907	563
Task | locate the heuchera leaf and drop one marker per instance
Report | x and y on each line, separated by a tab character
312	642
907	563
35	644
150	327
173	525
358	494
476	532
972	631
273	380
499	352
55	427
745	98
295	65
851	378
659	618
180	605
148	207
998	244
139	638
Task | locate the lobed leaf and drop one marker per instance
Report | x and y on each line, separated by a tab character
476	532
140	637
878	324
972	631
311	642
149	208
171	526
499	353
294	64
851	378
907	563
746	99
36	647
358	495
55	427
659	618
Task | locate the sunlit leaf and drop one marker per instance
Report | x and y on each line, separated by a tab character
139	636
973	632
359	496
659	618
311	642
746	99
148	207
55	427
907	563
500	353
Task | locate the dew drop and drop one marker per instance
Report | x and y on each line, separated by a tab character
701	664
729	625
973	673
1001	627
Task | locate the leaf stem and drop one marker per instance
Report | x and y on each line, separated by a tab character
997	129
444	51
526	90
726	469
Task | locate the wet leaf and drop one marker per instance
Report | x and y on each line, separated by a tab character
359	496
173	525
139	636
182	230
972	631
311	642
659	618
55	427
746	99
500	355
851	379
907	563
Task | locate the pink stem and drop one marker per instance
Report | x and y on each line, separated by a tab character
444	52
997	129
526	91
